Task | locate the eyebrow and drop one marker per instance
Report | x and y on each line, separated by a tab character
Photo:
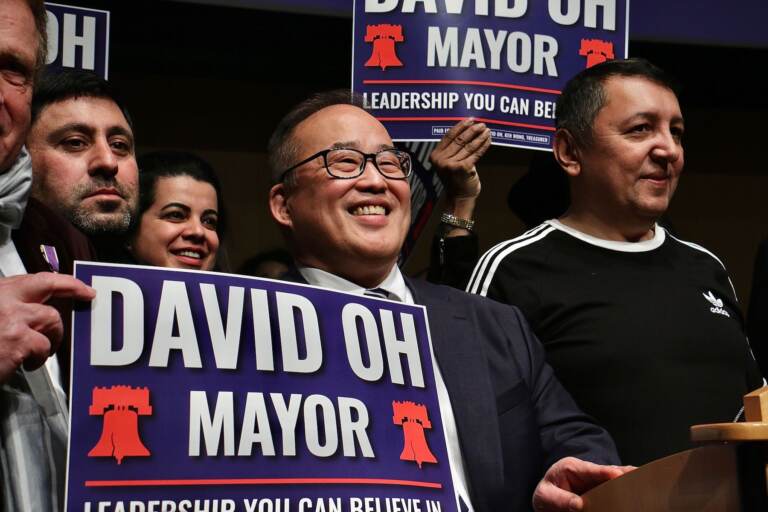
353	144
177	205
12	59
120	130
653	115
347	144
188	209
71	127
89	130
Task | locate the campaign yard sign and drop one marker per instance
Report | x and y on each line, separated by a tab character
197	391
78	38
422	65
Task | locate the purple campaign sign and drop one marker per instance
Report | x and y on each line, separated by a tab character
78	38
423	65
251	395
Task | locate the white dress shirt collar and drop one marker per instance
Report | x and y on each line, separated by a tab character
394	283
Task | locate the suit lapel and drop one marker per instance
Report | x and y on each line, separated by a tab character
465	372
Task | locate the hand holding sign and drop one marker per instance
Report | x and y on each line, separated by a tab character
212	386
30	330
455	158
422	66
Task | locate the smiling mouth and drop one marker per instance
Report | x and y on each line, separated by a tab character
657	177
189	254
369	210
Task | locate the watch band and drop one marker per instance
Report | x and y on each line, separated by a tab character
452	220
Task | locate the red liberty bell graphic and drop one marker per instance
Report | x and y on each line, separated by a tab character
414	419
121	407
596	51
384	37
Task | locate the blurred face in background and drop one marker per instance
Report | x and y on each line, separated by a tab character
179	229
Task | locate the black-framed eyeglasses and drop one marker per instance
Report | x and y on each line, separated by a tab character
347	163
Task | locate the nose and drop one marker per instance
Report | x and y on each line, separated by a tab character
669	148
371	179
103	159
194	230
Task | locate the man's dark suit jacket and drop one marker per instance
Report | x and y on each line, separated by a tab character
513	416
41	226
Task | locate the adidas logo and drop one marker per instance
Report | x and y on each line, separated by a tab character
717	304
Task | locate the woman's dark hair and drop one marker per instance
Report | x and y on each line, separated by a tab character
170	164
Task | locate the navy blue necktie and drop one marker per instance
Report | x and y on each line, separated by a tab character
381	293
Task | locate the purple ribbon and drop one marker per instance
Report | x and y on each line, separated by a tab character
50	256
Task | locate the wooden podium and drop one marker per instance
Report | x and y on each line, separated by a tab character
729	472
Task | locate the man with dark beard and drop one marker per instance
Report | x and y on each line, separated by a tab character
83	158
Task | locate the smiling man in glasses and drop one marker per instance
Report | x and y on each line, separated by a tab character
342	199
346	213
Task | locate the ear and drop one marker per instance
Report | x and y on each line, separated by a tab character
567	152
278	206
